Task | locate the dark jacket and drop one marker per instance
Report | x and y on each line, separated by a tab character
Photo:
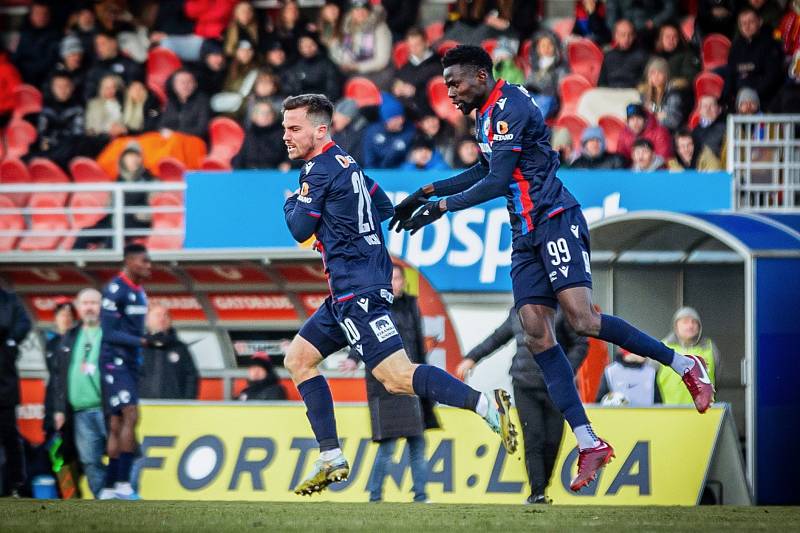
266	389
757	64
316	75
171	18
14	327
386	149
395	416
37	53
525	372
262	148
622	68
605	161
59	375
712	135
706	23
419	75
51	356
351	138
168	373
189	117
124	67
683	63
60	124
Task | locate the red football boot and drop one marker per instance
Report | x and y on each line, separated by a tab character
590	461
699	384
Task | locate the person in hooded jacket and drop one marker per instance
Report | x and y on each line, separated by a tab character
387	142
168	371
547	70
642	124
60	124
263	134
313	72
594	154
187	108
37	51
210	71
262	380
686	337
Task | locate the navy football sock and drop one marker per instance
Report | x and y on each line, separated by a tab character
111	472
617	331
561	385
435	384
319	410
124	467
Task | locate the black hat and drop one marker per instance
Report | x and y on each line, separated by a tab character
261	359
635	110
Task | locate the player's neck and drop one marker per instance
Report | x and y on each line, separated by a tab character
136	280
319	149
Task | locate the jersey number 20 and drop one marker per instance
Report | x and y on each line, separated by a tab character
365	224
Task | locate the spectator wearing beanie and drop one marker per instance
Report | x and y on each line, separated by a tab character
37	50
641	124
313	72
386	143
503	55
594	155
467	152
644	159
624	64
747	101
73	61
262	141
424	156
262	381
83	25
547	69
348	127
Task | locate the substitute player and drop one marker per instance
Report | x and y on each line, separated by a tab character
550	248
344	208
122	317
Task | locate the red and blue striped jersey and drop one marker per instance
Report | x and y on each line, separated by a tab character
510	120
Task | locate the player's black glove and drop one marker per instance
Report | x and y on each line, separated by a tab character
427	214
406	208
156	340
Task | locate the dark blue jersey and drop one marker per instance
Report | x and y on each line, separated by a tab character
122	319
514	139
344	208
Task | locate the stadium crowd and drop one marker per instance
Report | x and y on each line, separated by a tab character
116	69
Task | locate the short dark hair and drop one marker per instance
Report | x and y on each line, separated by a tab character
468	56
683	132
318	107
133	248
748	9
416	31
641	141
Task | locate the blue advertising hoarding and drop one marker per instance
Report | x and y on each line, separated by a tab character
465	251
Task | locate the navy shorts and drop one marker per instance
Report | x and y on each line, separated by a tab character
363	322
120	384
553	257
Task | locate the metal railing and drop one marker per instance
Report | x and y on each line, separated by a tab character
763	158
112	211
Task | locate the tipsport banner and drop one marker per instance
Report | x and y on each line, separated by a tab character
260	452
468	250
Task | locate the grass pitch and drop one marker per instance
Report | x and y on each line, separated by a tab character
77	516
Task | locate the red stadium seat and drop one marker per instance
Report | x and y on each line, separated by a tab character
212	163
575	124
571	88
444	46
27	99
489	45
55	220
45	171
10	222
585	58
159	93
88	200
434	31
14	172
714	51
363	91
86	170
161	63
226	137
687	27
20	134
171	169
400	54
563	27
708	83
612	126
440	102
166	221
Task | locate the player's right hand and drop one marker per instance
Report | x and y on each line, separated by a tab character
463	368
406	208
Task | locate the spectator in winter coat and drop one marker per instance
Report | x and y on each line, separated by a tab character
684	63
590	21
168	371
710	131
630	380
73	61
755	60
386	143
104	112
263	141
242	67
691	157
424	156
641	124
313	72
594	155
668	100
262	381
141	110
132	170
187	108
211	71
365	47
83	25
411	81
788	98
645	15
109	61
715	16
37	50
644	159
547	69
266	88
285	29
348	127
624	64
769	11
60	124
63	319
243	25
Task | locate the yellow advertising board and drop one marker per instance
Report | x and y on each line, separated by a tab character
260	452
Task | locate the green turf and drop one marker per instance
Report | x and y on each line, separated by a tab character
73	517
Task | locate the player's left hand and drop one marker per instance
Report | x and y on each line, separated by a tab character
427	214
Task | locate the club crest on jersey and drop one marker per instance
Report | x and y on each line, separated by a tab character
502	127
304	189
383	327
